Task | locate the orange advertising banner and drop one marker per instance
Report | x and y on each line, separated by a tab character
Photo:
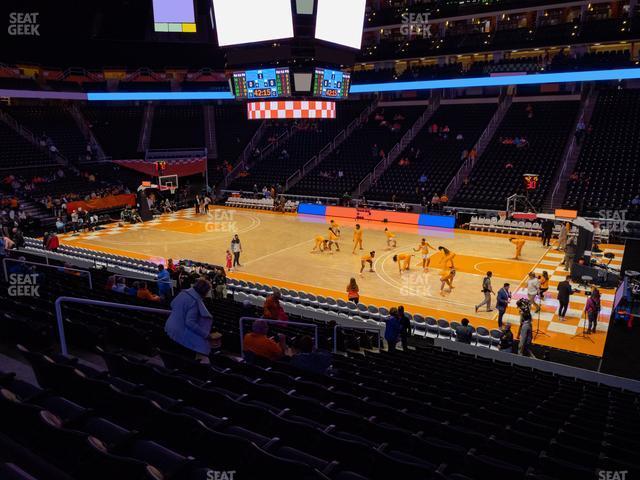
104	203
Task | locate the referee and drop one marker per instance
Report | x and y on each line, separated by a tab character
487	290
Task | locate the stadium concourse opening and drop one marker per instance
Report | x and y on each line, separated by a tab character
323	239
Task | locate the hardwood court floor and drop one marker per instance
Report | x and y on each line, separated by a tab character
276	251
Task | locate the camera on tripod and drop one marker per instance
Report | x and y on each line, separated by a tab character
524	305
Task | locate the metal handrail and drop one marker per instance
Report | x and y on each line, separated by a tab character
307	167
368	329
480	145
286	195
286	323
99	303
6	276
570	151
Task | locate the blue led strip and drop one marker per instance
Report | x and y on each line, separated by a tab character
113	96
497	81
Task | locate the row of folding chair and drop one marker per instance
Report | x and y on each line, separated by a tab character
328	309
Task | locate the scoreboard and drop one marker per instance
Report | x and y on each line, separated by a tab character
265	83
331	83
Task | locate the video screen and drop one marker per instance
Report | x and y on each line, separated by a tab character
341	22
265	83
174	16
331	83
248	21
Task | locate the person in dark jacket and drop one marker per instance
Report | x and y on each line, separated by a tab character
502	302
593	310
464	332
547	232
392	329
525	334
564	294
18	238
405	331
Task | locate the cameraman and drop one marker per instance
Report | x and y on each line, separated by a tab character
525	332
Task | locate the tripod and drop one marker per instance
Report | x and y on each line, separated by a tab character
583	334
538	331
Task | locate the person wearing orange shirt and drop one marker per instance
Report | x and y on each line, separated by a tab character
447	259
446	278
334	234
519	243
424	247
391	241
357	238
367	259
353	291
544	284
320	243
259	344
403	260
145	294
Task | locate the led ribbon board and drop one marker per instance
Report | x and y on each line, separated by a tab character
498	81
115	96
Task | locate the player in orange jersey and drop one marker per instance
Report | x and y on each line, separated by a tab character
424	247
448	256
446	278
320	244
403	260
357	238
391	240
367	259
334	235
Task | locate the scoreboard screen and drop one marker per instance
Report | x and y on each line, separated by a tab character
265	83
174	16
247	21
331	83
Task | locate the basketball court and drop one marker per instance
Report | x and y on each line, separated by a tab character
277	251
